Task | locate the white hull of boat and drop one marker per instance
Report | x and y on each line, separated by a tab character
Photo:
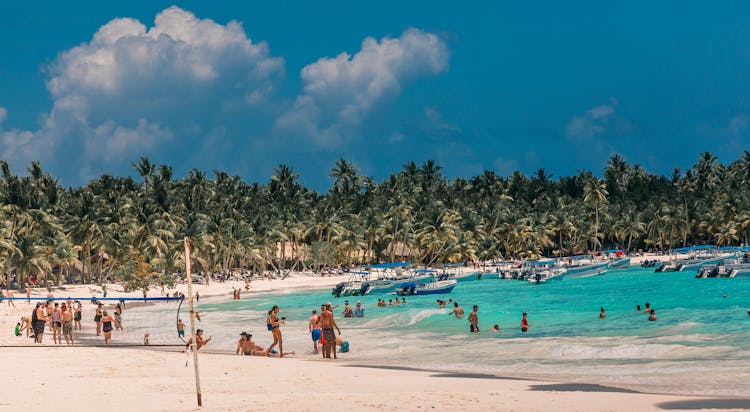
587	271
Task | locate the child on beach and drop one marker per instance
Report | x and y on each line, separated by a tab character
180	329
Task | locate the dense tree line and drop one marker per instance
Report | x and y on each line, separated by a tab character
126	229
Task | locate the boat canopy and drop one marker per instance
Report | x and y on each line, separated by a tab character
390	265
693	248
734	249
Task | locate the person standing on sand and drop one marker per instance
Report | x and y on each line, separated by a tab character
107	327
38	321
67	324
118	317
28	294
327	323
524	323
180	329
457	310
9	295
275	323
77	315
314	328
56	324
98	319
474	320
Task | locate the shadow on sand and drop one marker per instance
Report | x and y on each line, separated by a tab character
731	403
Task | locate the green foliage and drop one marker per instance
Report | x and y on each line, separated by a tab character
117	228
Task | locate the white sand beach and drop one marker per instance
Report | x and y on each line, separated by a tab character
49	377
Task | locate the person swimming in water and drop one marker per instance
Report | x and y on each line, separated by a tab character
652	315
602	313
457	311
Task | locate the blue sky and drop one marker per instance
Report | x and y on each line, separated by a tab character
88	87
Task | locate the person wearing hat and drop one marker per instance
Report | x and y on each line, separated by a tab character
241	344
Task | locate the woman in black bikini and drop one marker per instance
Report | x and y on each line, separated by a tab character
98	319
273	322
107	327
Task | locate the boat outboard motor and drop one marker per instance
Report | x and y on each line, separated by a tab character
479	276
661	267
364	288
538	278
338	289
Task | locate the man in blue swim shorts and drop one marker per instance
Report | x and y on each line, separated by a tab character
314	327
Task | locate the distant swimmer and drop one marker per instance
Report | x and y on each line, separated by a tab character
602	313
652	315
638	308
457	310
474	320
524	323
648	308
495	329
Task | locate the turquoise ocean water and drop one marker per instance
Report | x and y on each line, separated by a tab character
699	345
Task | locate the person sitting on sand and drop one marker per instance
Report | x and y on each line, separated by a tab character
457	311
652	315
200	341
25	325
253	349
241	344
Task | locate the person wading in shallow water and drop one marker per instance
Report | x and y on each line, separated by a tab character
474	320
327	323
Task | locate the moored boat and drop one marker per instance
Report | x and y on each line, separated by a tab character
433	288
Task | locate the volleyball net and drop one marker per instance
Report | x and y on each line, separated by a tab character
141	321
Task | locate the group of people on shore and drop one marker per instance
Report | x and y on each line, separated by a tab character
59	319
63	319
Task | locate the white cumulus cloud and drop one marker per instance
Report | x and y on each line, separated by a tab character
339	91
132	87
